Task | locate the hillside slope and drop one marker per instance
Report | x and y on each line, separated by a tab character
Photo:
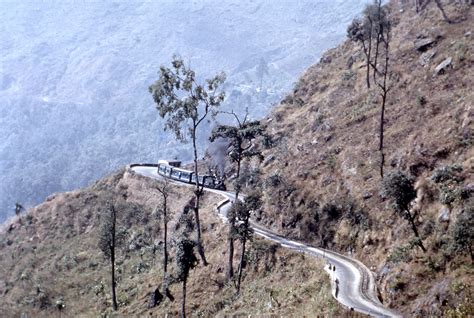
322	177
321	186
50	258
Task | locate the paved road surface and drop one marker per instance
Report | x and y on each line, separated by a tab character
353	283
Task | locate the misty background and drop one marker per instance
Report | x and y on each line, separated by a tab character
74	77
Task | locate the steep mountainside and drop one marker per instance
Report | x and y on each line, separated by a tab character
321	185
51	266
322	177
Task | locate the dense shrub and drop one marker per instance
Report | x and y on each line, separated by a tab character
463	231
448	173
399	187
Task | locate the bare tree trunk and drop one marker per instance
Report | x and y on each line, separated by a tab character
230	266
242	256
385	89
112	259
374	66
381	132
183	303
114	296
415	230
367	60
165	249
197	194
369	50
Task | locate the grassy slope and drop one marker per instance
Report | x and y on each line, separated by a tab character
53	254
326	151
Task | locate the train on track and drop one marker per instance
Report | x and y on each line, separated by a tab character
172	170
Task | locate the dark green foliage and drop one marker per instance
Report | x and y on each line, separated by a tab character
18	208
463	231
268	142
428	228
399	187
185	224
253	201
241	139
450	194
376	16
448	179
356	215
321	220
356	32
241	230
186	259
241	144
274	180
400	254
332	211
241	212
448	173
421	100
261	253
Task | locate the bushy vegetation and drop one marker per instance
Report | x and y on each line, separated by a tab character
399	187
463	231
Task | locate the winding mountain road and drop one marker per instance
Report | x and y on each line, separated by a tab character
353	283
